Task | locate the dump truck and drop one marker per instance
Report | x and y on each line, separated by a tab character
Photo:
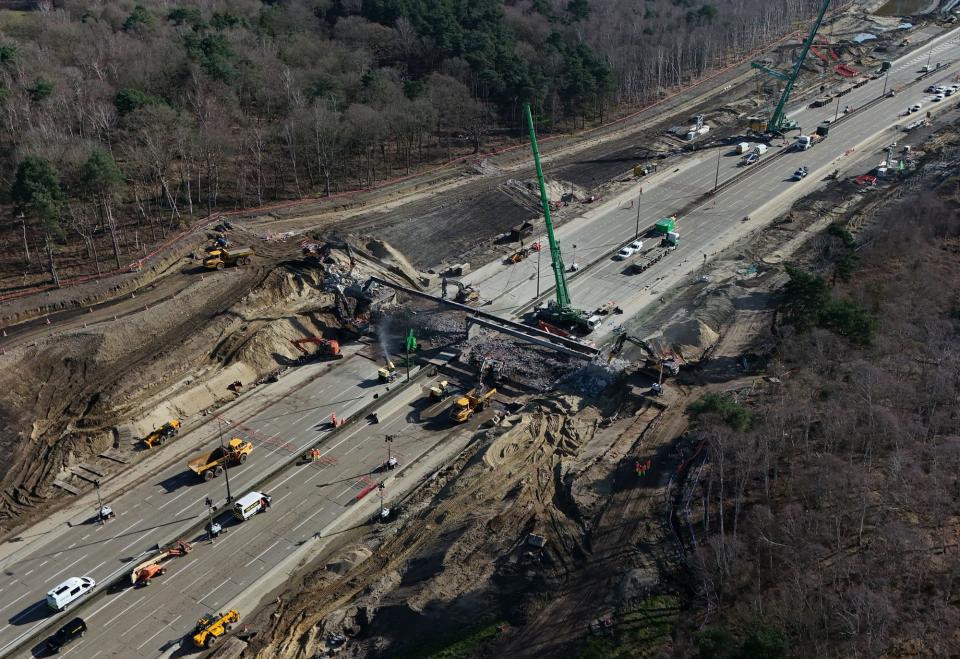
163	433
326	348
229	256
210	465
439	390
473	401
210	628
388	373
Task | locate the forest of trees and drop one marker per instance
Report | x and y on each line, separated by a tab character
123	120
827	515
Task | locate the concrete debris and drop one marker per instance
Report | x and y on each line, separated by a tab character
523	363
594	378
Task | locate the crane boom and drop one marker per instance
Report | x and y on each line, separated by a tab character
778	121
556	261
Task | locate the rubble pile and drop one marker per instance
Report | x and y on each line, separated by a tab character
523	363
594	378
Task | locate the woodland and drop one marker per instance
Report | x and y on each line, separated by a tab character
122	121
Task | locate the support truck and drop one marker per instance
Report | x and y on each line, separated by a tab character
229	256
210	465
804	142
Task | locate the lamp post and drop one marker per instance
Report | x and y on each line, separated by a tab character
96	484
539	258
575	256
389	441
210	508
837	112
886	78
226	472
636	234
716	181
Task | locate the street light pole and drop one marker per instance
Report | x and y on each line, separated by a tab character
716	181
539	258
209	503
837	113
886	78
226	471
929	54
637	233
96	484
389	441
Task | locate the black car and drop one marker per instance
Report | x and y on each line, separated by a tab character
66	634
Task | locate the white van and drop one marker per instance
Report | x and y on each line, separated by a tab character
70	590
250	504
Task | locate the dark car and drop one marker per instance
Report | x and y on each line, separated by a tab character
67	634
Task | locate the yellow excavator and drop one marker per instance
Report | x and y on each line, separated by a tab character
472	401
210	628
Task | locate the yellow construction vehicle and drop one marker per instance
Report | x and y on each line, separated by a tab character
210	465
388	373
439	390
163	433
228	256
211	628
473	401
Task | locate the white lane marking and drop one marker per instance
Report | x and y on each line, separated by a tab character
73	648
56	574
294	473
27	574
214	590
344	491
189	505
85	537
185	491
180	571
101	608
148	616
157	633
132	604
127	529
95	568
14	601
142	535
257	557
307	519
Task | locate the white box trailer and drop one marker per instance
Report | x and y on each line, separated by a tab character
743	147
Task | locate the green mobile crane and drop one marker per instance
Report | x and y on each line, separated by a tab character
557	311
778	124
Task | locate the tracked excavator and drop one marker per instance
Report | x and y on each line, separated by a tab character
326	348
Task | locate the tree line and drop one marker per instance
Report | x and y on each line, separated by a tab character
123	121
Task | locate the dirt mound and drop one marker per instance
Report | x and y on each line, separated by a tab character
67	393
690	334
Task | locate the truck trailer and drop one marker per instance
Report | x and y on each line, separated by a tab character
210	465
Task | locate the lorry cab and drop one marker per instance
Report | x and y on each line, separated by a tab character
69	591
593	322
250	504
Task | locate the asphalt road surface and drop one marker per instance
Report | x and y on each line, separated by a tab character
719	222
305	499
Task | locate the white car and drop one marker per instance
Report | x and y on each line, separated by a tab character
915	107
636	245
935	98
625	253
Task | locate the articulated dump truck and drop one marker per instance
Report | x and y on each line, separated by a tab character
210	465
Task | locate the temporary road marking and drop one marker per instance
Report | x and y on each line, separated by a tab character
214	590
132	604
56	574
257	557
180	571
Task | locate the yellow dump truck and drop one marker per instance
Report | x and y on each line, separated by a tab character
473	401
163	433
211	628
210	465
228	256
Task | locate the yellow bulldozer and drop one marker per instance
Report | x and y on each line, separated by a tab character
211	628
472	401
